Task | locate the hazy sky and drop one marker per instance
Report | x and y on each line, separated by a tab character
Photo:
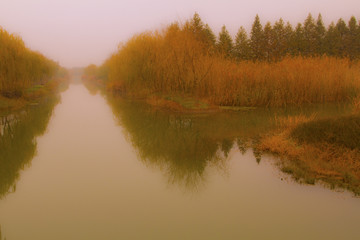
80	32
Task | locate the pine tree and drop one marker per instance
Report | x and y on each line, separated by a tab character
225	43
330	37
268	42
242	45
352	41
256	39
210	37
320	36
202	32
299	40
340	40
196	24
289	39
309	36
279	40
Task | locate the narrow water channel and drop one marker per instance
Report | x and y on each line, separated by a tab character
96	168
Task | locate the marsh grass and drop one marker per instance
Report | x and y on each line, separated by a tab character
312	150
342	131
175	62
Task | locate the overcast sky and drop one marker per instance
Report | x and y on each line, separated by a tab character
79	32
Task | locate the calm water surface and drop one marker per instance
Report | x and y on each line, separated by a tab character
87	167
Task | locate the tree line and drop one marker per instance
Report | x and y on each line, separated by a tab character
22	68
273	42
187	59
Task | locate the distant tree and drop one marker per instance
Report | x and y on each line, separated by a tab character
330	37
225	43
268	42
353	41
320	36
289	38
279	40
242	45
298	41
309	36
196	24
210	37
341	36
256	39
201	31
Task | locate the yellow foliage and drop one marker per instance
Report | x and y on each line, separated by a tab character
176	61
21	68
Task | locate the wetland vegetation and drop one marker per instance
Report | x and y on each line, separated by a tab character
184	68
277	66
182	134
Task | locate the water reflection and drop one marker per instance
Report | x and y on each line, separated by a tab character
18	132
183	145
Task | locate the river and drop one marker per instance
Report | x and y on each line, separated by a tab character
91	167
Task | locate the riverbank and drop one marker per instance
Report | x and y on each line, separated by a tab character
318	150
33	95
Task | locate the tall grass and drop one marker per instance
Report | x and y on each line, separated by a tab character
178	61
21	68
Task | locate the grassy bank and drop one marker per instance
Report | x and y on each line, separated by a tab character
33	95
312	150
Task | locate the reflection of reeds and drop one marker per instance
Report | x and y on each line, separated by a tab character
184	145
175	61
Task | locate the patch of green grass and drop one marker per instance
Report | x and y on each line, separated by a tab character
237	109
34	88
10	103
188	102
342	131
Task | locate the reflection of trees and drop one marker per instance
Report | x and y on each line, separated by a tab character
183	145
17	141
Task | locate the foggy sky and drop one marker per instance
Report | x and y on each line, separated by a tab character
76	33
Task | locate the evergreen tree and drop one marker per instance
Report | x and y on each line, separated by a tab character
225	43
242	45
202	32
256	39
289	39
268	42
299	40
279	40
309	36
353	41
196	24
340	40
320	36
330	44
210	37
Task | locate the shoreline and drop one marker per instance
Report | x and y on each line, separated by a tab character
32	96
